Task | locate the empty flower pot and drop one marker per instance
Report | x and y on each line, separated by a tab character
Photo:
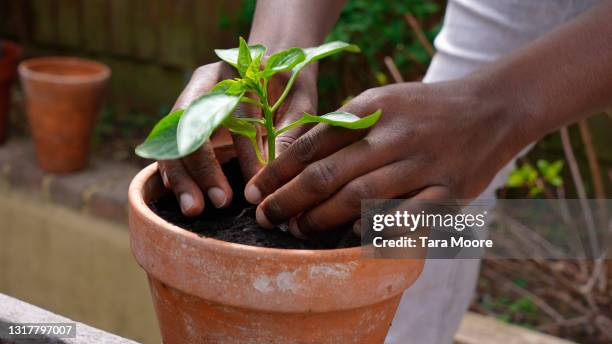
63	97
210	291
9	56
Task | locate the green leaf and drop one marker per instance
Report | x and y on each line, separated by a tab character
283	60
316	53
244	57
530	174
344	119
555	181
253	72
229	86
241	126
515	179
556	166
535	190
230	56
201	118
313	54
542	165
161	142
252	120
337	119
245	127
550	171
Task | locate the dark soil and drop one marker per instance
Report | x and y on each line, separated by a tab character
237	223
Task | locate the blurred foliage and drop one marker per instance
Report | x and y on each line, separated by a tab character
536	178
519	310
510	310
118	131
379	29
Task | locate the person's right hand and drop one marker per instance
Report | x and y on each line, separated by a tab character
199	173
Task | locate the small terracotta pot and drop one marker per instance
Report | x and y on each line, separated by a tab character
210	291
11	52
63	98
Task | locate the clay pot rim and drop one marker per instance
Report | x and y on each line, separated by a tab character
101	73
137	204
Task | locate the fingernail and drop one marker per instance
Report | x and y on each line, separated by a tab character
252	194
294	229
217	196
357	228
187	202
262	219
165	179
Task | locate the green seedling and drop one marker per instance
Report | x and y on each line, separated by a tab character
535	179
183	131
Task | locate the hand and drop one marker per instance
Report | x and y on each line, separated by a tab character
200	172
450	135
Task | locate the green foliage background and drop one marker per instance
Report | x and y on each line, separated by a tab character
379	29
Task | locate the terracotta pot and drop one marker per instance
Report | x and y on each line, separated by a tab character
210	291
11	52
63	98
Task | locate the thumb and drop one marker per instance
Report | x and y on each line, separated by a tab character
299	104
286	139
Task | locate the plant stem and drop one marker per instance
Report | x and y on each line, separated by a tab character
598	185
286	90
392	67
269	115
290	126
257	152
579	185
251	101
420	34
269	121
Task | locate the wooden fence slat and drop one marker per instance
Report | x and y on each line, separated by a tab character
94	20
5	15
43	21
144	28
177	34
119	27
68	23
210	34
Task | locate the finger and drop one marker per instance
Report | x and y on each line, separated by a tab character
173	172
413	204
323	178
287	138
319	142
202	81
247	158
357	224
303	100
356	228
432	199
345	206
204	169
187	192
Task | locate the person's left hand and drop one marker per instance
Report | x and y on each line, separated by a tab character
454	134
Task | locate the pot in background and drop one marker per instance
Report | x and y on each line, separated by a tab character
63	96
9	57
210	291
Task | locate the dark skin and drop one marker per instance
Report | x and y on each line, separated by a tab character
278	24
452	136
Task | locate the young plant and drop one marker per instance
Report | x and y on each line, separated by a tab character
183	131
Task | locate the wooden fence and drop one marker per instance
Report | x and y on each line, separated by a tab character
151	45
